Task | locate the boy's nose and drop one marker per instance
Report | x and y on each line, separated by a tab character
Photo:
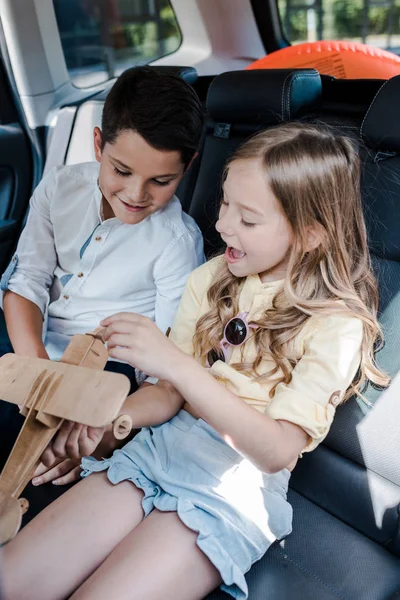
136	191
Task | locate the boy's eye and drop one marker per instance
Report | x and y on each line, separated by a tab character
122	173
247	224
157	182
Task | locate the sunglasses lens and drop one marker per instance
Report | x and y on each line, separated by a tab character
236	331
213	356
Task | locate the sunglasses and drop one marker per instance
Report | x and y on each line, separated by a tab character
236	332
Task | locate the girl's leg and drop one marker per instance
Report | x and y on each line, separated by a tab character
160	559
66	542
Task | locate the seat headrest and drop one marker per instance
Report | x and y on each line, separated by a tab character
380	186
380	128
265	96
188	74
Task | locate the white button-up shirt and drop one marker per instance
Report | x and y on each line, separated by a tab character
79	269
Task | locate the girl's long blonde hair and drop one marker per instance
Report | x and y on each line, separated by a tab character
315	175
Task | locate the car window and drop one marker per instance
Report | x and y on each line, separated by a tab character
102	38
374	22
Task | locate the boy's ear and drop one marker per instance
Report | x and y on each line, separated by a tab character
315	236
97	142
193	157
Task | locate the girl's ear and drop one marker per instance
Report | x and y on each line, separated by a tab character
97	143
315	236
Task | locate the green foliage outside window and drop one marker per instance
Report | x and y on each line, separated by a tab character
370	21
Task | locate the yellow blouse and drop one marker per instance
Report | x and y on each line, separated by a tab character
328	348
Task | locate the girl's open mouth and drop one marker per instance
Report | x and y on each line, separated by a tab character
233	254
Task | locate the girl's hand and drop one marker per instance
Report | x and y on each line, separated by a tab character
72	441
62	473
137	340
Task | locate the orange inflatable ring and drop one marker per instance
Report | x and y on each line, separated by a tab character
344	60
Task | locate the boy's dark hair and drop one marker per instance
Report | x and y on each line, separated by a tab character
159	106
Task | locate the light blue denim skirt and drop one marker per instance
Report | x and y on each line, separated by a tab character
185	466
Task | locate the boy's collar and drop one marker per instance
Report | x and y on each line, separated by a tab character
99	201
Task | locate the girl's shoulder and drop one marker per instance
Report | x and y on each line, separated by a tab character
333	326
200	279
203	275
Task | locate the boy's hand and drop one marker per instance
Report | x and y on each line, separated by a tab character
62	473
137	340
72	441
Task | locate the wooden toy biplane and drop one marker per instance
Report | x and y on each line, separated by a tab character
77	389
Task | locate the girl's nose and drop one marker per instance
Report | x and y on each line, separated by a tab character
224	226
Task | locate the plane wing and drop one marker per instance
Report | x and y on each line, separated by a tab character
88	396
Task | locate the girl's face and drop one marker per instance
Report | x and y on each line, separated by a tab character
252	224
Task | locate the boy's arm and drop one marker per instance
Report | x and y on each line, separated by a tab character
25	283
24	325
178	260
150	405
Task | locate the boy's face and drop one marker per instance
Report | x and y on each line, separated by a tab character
135	178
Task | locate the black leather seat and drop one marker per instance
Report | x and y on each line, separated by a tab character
346	494
239	103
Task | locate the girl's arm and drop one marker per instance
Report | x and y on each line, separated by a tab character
153	404
301	410
271	445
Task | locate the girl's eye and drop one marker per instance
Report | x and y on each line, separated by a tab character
122	173
224	202
246	224
157	182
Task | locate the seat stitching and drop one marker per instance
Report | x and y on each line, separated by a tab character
296	76
283	94
305	570
371	105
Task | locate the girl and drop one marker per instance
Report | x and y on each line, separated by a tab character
268	340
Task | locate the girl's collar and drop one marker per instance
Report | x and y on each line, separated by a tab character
268	285
254	290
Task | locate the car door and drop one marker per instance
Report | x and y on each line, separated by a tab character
16	177
16	171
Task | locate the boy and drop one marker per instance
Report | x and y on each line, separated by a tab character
110	236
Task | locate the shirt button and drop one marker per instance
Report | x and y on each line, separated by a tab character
80	274
98	238
335	398
66	297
